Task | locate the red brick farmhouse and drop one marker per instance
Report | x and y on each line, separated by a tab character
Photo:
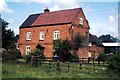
41	29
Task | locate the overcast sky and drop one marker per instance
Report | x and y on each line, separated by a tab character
102	16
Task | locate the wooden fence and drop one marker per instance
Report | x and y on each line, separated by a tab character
81	61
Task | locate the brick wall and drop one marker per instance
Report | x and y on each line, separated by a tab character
48	40
95	50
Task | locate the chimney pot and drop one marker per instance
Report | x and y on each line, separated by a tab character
46	10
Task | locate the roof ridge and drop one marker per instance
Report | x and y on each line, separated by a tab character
55	11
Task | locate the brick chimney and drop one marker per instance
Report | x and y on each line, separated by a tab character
46	10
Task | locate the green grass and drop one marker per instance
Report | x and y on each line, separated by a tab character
13	70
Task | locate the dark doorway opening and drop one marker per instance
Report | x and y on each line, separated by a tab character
39	47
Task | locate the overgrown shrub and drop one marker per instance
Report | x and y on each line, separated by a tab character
79	41
36	53
114	63
102	57
74	56
62	49
11	54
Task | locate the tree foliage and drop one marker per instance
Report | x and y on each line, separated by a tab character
38	53
114	63
8	37
62	48
79	41
102	57
12	55
107	38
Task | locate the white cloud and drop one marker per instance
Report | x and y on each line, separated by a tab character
67	3
38	1
16	30
4	8
55	7
112	30
42	1
98	28
111	18
63	4
10	20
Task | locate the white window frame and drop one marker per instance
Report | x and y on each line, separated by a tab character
28	36
56	35
42	35
28	50
89	54
81	21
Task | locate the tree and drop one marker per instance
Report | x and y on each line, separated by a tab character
79	41
56	46
102	57
8	38
107	38
62	48
16	38
114	63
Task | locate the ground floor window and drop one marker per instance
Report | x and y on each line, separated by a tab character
27	50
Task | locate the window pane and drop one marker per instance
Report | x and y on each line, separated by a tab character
27	50
81	21
56	35
41	35
28	36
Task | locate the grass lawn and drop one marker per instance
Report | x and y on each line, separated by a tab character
13	70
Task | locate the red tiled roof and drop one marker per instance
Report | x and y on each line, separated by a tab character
56	17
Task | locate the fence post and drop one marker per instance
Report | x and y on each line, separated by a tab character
93	60
88	60
32	60
98	61
68	65
82	60
58	65
80	66
49	64
103	61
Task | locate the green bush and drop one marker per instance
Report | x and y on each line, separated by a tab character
62	49
114	63
74	56
11	54
102	57
37	53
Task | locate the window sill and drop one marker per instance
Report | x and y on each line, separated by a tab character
41	40
56	39
28	39
80	24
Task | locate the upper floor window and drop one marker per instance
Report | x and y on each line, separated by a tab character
81	21
56	35
28	36
27	50
41	35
